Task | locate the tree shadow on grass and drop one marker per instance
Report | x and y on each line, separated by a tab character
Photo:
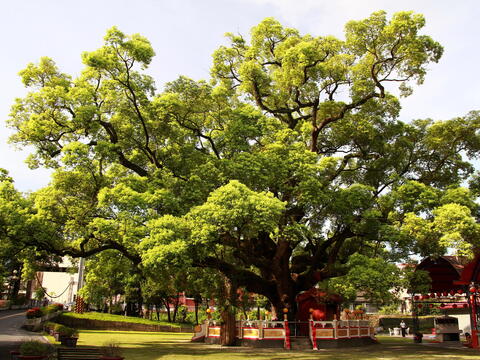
175	346
181	350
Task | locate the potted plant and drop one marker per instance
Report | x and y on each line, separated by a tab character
34	318
49	327
54	331
67	335
111	351
34	350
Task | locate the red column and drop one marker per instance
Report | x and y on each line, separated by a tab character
287	335
473	309
314	335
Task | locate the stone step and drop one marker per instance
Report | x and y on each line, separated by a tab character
300	343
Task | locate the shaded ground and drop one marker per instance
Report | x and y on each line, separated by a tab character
174	346
10	332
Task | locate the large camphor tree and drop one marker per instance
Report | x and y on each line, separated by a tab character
274	174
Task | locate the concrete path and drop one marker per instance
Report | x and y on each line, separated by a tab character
11	333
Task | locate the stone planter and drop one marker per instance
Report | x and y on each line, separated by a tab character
69	341
33	321
32	324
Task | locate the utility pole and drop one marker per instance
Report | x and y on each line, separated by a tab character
79	303
81	270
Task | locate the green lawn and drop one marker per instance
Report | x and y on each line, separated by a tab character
169	346
111	317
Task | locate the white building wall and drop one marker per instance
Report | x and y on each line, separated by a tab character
62	286
463	322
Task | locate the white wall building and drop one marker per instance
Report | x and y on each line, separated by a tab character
60	284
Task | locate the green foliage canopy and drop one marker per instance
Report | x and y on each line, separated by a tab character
276	173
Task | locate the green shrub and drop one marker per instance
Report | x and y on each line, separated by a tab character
182	313
111	349
426	310
50	309
47	326
35	347
190	318
117	309
66	331
389	310
202	316
39	294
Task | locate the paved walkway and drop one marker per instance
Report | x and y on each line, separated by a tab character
11	333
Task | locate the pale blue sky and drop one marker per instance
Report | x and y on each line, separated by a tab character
184	33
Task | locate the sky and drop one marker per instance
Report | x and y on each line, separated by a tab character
184	34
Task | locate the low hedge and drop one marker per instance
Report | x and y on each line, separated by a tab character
91	324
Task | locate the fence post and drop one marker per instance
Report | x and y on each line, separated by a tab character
287	335
313	335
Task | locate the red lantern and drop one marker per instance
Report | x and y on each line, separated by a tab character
432	295
285	310
473	290
452	292
454	306
459	291
416	297
439	294
420	306
442	305
431	306
445	293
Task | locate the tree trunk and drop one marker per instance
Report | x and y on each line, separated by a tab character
285	300
175	309
15	289
228	327
28	294
197	300
167	306
129	309
228	331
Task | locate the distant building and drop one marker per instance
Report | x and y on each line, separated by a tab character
59	282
